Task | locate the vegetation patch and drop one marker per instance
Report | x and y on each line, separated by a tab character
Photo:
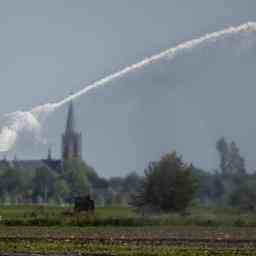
69	247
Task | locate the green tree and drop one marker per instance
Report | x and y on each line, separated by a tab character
62	190
168	185
210	187
43	184
75	175
13	183
231	162
244	197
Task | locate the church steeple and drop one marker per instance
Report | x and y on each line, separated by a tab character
49	154
71	139
70	127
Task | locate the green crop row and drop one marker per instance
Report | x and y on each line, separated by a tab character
68	246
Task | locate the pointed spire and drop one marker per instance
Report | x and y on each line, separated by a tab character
50	154
71	119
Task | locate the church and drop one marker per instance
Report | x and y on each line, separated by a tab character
71	149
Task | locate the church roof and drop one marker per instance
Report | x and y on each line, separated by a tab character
30	165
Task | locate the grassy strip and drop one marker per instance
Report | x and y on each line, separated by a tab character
31	215
26	211
83	221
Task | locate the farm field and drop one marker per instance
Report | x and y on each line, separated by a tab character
128	241
160	238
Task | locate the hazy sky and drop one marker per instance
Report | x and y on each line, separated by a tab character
49	48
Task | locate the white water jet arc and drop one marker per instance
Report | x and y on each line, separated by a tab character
31	121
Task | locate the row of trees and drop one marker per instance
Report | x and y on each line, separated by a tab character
172	185
44	185
231	185
167	185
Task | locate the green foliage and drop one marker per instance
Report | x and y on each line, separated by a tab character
231	162
125	217
244	196
210	186
239	187
124	188
168	185
12	185
43	184
76	175
61	190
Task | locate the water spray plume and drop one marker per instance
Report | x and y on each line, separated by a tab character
15	123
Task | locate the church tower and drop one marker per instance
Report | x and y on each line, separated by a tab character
71	139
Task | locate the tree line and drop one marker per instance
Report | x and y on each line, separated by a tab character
169	184
173	185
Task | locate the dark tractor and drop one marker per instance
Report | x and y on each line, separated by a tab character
84	203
